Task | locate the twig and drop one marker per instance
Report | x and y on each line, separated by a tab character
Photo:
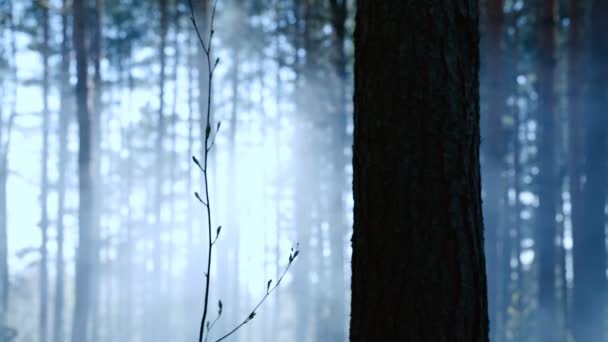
292	256
219	314
205	202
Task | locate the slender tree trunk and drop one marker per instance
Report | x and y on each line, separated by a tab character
337	300
5	136
576	79
84	255
589	247
232	193
44	221
4	282
65	111
191	262
130	239
305	163
96	131
548	179
4	271
173	169
159	176
418	255
276	309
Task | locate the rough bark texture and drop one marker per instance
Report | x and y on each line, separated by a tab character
84	255
589	247
548	179
418	263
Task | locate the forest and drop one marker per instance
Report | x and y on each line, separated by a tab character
303	170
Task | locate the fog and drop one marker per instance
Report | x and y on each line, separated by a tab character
279	171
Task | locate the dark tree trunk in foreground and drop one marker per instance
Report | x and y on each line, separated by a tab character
589	247
84	255
548	180
418	262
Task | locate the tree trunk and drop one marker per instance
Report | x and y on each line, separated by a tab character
44	221
84	255
232	198
418	262
5	136
159	168
96	129
576	79
130	239
305	162
279	184
589	247
338	228
65	111
548	179
4	273
4	283
188	286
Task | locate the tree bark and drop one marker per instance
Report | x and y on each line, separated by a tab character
418	262
84	254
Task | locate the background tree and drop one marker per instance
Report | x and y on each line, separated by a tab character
589	251
548	180
85	253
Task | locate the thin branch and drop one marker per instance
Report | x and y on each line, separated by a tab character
269	290
219	314
198	33
206	201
